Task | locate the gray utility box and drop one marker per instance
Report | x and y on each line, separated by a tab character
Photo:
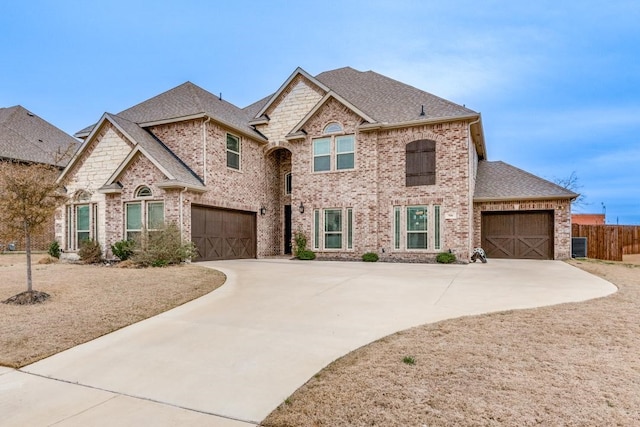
578	247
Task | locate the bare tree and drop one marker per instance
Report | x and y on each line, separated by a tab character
572	183
29	196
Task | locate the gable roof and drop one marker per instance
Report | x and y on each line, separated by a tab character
178	174
28	138
499	181
388	100
184	102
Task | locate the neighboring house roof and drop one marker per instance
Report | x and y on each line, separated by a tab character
183	102
588	219
499	181
29	138
178	174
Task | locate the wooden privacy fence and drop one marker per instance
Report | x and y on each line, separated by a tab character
609	242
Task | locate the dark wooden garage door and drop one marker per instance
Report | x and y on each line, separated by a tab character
223	234
518	234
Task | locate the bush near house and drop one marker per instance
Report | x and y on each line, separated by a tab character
445	258
90	252
370	257
162	247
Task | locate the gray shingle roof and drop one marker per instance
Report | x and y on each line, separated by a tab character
186	100
501	181
177	170
388	100
27	137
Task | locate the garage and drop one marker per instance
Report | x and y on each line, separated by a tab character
222	233
527	235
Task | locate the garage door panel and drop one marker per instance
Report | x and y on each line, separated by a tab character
223	234
526	235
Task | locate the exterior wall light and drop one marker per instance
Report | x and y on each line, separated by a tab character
301	208
263	211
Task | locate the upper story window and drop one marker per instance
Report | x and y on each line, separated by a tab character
233	152
334	153
144	191
421	162
332	128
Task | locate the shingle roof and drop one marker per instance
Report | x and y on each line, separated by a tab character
27	137
158	152
500	181
388	100
186	100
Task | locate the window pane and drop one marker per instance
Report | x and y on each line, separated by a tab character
417	218
333	220
233	143
333	240
134	216
321	146
349	228
436	226
288	184
82	236
155	215
144	192
316	229
322	163
333	127
396	227
82	218
416	240
233	160
345	161
344	144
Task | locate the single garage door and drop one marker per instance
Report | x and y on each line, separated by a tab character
222	233
518	234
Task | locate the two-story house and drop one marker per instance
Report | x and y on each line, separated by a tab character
356	161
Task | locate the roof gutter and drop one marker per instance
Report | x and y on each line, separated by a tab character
523	198
377	126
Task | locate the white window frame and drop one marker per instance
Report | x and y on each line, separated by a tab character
236	153
333	152
288	183
320	231
400	229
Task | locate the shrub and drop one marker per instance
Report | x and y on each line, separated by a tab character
123	249
306	255
54	249
301	242
370	257
90	251
161	248
445	258
409	360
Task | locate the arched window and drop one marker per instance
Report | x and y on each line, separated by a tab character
144	191
82	196
332	128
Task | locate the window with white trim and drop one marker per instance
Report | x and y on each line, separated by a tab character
143	214
418	229
334	152
333	228
81	220
288	183
233	152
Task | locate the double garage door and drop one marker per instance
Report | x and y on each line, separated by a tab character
223	234
518	234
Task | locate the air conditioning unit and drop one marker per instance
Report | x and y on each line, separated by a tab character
578	247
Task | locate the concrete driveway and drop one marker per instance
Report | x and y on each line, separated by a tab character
230	357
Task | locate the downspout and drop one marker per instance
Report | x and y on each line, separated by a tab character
181	200
204	150
472	190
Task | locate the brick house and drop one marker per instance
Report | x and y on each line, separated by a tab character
356	161
26	138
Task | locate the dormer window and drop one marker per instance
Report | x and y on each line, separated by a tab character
332	128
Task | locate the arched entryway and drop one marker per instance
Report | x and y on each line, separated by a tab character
281	186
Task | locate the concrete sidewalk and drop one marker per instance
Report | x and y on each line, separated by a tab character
229	358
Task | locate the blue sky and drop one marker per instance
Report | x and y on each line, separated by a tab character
557	83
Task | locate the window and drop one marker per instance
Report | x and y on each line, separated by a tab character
420	157
81	220
321	154
83	223
332	128
418	229
143	214
144	191
233	152
333	232
288	183
334	153
133	213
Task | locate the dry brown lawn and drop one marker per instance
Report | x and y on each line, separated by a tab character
86	301
573	364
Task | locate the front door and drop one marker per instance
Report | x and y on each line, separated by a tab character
287	229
